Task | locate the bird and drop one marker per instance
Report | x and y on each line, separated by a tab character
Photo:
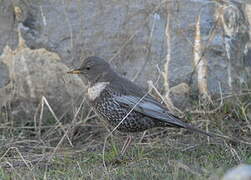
124	104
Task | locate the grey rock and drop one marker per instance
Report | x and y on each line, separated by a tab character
241	172
130	33
180	95
35	74
4	75
8	36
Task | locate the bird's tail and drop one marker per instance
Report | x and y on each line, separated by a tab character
178	123
193	129
175	121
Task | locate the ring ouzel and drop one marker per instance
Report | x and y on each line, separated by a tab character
114	97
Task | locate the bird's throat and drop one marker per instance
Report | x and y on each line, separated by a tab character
95	90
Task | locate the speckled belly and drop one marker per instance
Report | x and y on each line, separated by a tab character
114	113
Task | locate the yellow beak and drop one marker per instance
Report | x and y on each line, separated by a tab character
74	72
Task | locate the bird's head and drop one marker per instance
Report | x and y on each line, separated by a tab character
93	69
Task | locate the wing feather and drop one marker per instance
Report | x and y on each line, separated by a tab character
152	108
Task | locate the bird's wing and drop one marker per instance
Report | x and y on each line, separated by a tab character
130	95
152	108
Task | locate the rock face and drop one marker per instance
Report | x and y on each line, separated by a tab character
34	74
241	172
132	34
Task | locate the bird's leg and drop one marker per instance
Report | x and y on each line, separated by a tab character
125	146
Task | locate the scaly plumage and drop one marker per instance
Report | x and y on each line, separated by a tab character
113	97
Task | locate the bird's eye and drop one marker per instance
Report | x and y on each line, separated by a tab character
87	68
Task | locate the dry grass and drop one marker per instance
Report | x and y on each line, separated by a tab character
74	149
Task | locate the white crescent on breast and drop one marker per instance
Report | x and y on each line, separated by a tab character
94	91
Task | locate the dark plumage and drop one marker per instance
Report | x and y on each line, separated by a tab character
113	97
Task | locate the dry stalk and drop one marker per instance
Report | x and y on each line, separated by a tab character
66	132
166	65
43	16
213	110
167	103
27	163
233	152
75	117
59	143
200	63
56	118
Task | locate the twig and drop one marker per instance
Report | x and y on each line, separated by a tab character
55	117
